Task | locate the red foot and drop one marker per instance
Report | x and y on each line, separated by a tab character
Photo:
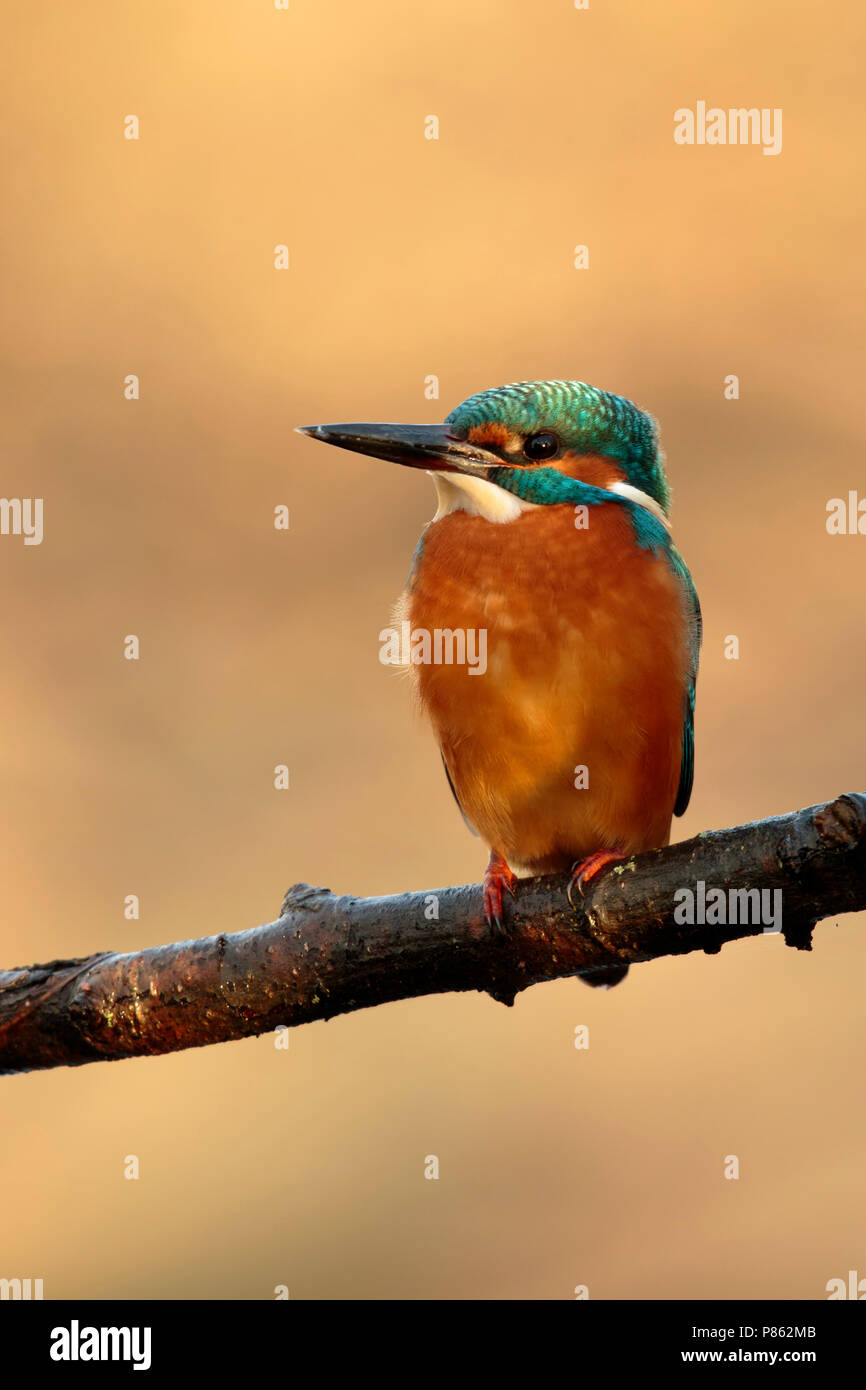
497	876
586	869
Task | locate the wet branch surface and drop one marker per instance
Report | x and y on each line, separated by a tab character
328	955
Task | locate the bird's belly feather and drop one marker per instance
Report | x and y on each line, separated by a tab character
586	667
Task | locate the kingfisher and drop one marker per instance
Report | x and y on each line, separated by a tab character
574	747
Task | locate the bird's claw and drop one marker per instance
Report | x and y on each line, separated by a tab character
497	877
586	869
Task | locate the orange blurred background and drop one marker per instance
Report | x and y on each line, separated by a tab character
412	257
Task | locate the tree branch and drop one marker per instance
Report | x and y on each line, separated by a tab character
328	955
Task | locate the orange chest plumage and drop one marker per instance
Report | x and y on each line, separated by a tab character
570	737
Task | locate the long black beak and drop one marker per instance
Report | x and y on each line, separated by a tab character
415	446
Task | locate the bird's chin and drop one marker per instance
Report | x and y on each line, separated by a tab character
460	492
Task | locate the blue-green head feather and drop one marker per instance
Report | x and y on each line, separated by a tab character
584	419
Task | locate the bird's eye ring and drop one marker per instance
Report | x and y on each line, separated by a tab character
543	445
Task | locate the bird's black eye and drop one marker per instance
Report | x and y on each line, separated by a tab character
540	446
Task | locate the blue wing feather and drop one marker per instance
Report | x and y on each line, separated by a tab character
693	610
650	532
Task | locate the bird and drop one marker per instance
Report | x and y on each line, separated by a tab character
574	747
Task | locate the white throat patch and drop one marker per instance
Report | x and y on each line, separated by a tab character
458	492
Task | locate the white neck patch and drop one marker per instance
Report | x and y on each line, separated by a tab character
459	492
642	499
